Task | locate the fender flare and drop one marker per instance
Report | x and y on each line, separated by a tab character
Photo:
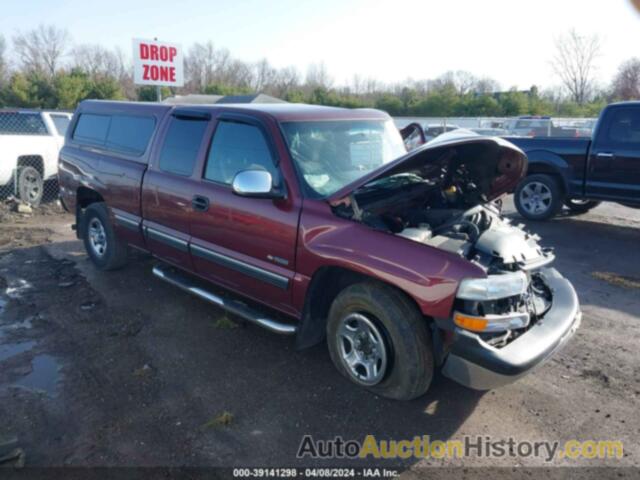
544	161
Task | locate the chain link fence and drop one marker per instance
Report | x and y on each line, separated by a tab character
529	126
28	186
30	141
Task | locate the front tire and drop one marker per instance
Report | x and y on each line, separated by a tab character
538	197
379	340
105	249
30	185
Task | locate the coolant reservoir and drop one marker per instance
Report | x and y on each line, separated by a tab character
421	233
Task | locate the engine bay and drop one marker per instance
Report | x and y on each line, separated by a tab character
449	212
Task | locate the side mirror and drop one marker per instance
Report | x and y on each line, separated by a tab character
255	183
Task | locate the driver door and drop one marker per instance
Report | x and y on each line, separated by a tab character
245	244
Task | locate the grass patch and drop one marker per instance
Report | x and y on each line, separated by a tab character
225	322
618	280
144	371
224	419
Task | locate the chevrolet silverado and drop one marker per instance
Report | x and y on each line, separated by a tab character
315	222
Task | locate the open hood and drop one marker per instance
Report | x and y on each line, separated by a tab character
492	164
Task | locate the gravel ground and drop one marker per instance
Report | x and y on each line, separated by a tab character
121	369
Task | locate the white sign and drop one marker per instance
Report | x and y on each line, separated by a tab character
157	63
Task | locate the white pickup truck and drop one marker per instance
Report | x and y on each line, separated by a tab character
30	141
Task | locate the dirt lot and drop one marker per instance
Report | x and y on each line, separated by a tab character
121	369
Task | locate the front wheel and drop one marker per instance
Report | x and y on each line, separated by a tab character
538	197
379	340
105	249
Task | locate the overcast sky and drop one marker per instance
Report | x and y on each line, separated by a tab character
508	40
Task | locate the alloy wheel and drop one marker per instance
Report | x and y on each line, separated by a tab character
536	198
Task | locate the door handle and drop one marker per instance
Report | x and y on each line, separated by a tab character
200	203
605	155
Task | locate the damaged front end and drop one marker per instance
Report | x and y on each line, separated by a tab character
445	196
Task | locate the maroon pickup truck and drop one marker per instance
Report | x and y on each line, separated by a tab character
316	222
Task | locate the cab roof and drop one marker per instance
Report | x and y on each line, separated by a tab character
282	112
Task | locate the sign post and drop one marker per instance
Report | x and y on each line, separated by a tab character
157	63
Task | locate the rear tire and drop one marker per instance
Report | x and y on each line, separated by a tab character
105	249
30	185
538	197
581	206
402	353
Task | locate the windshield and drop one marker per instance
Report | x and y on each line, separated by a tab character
330	155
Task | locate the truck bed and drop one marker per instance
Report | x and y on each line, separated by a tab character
564	157
560	146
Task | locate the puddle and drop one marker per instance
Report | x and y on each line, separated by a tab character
17	288
44	376
9	350
26	324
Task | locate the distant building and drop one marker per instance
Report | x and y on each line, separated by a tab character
212	99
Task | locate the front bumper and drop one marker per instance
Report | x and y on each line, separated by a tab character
477	365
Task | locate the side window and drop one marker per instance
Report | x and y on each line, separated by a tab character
181	145
92	129
623	128
61	122
236	147
125	134
130	135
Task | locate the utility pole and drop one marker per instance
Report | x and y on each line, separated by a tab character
158	88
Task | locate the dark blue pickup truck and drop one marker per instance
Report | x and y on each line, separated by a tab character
580	173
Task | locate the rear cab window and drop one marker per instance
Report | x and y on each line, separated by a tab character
123	134
621	128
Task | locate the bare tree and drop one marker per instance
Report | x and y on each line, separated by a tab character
3	61
363	86
626	83
206	65
265	76
318	76
574	63
42	48
286	80
462	81
486	85
97	61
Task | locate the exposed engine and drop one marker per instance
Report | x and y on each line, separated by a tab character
451	217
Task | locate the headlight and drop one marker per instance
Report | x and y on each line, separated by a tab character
493	287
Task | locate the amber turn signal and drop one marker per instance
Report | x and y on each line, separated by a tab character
475	324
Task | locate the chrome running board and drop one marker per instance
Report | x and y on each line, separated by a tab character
235	307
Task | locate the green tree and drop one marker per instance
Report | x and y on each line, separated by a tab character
71	88
222	89
484	106
514	103
105	88
443	102
30	90
390	104
295	96
148	93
